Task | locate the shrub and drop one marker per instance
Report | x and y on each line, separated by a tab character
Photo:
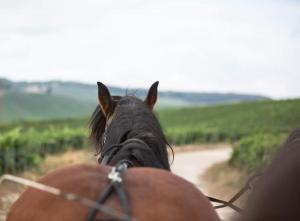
254	152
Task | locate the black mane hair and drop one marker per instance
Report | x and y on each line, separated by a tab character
131	119
97	125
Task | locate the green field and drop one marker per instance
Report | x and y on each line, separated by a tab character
230	122
255	128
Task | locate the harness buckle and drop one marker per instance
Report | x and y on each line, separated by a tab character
114	176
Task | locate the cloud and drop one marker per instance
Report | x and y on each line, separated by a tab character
222	46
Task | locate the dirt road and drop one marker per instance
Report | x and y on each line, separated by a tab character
192	164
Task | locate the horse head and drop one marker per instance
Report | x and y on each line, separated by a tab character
126	129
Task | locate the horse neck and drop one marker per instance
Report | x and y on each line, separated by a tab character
141	149
156	146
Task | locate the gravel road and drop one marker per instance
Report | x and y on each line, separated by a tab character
192	164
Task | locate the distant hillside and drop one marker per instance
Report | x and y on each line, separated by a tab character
19	106
57	99
87	92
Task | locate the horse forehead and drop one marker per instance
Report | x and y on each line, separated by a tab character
129	101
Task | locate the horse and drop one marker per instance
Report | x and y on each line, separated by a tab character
126	132
276	195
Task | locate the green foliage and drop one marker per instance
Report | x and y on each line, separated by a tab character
257	128
229	122
46	124
183	135
254	152
21	149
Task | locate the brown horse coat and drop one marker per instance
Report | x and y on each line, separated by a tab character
153	195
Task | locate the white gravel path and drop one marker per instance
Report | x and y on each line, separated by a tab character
192	164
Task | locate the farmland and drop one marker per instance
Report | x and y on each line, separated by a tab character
256	130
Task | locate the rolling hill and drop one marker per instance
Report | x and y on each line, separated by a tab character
57	99
18	107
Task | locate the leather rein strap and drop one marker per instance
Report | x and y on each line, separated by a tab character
238	195
115	185
115	178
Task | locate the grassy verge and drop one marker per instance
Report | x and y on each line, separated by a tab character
253	153
224	180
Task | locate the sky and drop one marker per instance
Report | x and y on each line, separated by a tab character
188	45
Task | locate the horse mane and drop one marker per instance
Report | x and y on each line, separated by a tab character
132	120
97	124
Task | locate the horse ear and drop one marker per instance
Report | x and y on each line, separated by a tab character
152	95
105	100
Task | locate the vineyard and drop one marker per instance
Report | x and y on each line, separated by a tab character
255	128
24	148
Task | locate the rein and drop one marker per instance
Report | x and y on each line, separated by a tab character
238	195
95	206
115	185
115	178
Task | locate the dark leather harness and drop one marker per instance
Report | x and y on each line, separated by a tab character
115	185
115	176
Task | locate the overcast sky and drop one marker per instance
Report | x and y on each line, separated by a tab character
190	45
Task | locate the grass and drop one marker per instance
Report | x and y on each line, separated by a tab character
224	180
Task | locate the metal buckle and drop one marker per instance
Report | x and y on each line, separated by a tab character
114	176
